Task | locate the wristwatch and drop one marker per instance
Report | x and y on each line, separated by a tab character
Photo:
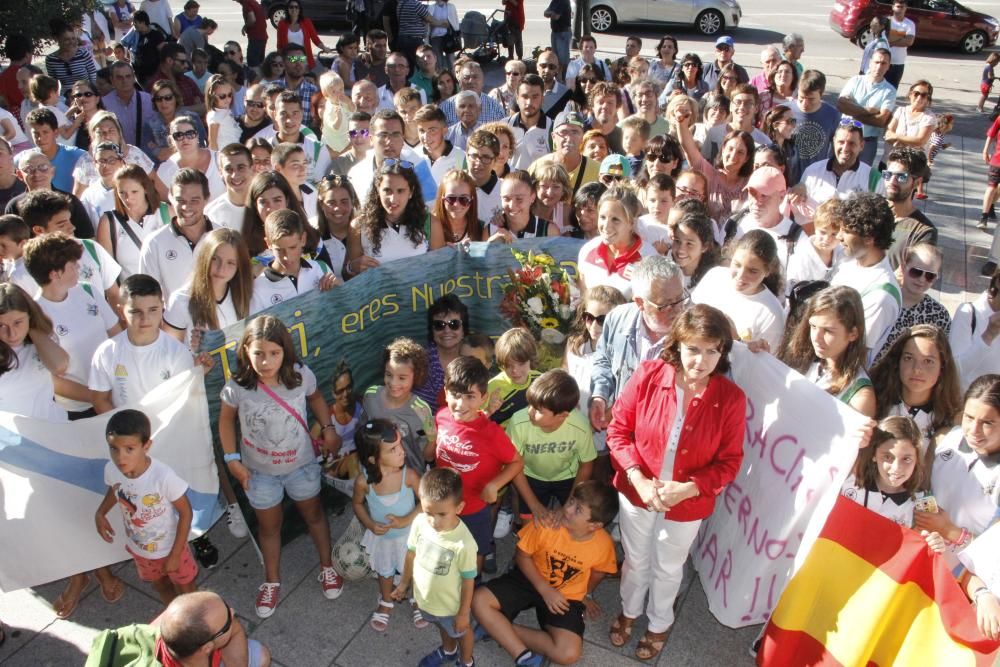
235	456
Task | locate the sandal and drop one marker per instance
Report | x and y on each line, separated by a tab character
418	619
65	609
117	590
621	631
651	644
380	619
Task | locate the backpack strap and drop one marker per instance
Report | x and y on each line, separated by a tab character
88	244
88	288
164	214
128	230
853	388
112	216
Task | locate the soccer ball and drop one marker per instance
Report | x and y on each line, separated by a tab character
350	560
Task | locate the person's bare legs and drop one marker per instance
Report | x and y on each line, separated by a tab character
70	597
319	529
165	589
557	644
486	609
269	534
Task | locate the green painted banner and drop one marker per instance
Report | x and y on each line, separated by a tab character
355	321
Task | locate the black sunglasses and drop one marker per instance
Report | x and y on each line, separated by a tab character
185	134
440	325
387	432
163	98
356	133
589	318
346	388
225	628
86	93
915	273
254	105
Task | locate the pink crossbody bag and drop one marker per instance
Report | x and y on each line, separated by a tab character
287	408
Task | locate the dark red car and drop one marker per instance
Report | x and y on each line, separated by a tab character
939	22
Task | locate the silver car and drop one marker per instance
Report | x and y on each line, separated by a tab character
709	17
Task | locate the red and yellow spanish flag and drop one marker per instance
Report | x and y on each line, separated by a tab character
869	593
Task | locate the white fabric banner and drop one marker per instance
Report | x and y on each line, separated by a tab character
52	481
801	443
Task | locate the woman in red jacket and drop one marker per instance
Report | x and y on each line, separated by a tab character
296	28
676	440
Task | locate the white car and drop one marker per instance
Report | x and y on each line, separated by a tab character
709	17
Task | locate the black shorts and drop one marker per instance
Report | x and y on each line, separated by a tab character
515	594
547	492
993	177
480	524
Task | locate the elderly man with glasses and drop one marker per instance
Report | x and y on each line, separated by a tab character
635	332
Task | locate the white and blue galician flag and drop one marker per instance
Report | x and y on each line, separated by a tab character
52	481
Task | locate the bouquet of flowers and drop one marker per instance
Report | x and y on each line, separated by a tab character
540	297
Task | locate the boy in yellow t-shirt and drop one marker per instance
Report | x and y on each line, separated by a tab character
441	562
557	570
554	439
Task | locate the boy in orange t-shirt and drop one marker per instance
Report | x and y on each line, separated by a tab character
557	570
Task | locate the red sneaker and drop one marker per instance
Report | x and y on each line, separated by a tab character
267	599
920	195
331	582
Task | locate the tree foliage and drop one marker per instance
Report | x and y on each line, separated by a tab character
31	19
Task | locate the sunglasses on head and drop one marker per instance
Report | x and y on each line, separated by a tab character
589	318
335	180
295	59
850	122
464	200
387	432
440	325
390	162
915	273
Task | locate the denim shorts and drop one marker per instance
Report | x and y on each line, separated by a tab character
446	623
266	491
255	654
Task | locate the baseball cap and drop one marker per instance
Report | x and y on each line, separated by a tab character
725	40
766	180
616	165
568	118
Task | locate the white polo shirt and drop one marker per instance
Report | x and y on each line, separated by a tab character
386	95
488	200
965	484
178	312
168	256
271	288
81	321
96	267
530	143
225	213
453	157
317	156
822	184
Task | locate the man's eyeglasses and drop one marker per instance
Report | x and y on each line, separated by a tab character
225	628
589	318
37	168
185	134
916	273
684	191
354	134
453	200
441	325
900	177
668	306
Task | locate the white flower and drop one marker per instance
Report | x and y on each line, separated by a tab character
565	310
553	336
535	305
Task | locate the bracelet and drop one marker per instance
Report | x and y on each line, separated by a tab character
235	456
963	539
978	593
628	475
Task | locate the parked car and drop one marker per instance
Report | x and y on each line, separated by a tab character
709	17
939	22
321	12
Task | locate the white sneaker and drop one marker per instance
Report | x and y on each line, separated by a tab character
235	522
505	519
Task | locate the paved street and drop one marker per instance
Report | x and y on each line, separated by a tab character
308	630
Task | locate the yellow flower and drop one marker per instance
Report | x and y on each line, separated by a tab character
544	260
549	323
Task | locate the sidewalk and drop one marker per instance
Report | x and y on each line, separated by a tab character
308	630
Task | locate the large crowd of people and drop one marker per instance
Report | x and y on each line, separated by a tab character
155	187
